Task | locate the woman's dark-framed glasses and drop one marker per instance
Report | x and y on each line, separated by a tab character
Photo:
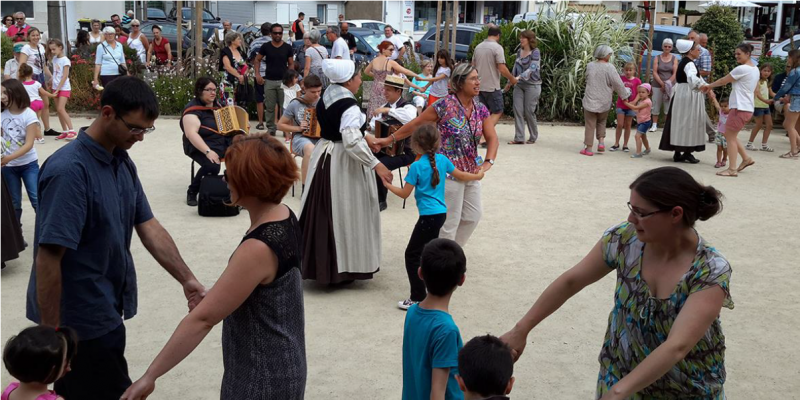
640	214
134	130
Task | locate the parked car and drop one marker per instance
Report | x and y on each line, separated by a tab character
660	32
169	30
782	49
188	15
464	36
379	26
156	14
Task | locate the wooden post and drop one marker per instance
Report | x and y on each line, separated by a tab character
198	36
455	29
637	58
180	31
650	40
438	28
446	41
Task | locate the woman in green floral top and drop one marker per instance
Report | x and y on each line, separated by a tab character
664	338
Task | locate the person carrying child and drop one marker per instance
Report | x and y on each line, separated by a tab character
427	175
624	113
722	144
643	107
20	162
431	339
61	88
485	369
35	93
37	357
761	115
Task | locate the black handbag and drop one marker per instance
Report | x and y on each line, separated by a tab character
244	94
213	198
122	69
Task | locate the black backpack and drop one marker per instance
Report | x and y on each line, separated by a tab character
214	193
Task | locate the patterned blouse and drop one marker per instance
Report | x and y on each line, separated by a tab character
460	135
639	323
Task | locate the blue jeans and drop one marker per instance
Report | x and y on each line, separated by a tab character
15	177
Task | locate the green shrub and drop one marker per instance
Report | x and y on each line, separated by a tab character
7	50
724	34
778	64
567	45
83	98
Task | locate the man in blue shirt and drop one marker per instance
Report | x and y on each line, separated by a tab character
83	275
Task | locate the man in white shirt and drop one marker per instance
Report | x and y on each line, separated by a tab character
399	48
395	110
12	65
339	49
226	27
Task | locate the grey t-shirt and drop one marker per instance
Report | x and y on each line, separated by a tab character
486	57
296	111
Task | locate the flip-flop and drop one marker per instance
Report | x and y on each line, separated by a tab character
728	172
745	164
515	142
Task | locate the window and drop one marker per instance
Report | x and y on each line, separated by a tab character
10	7
464	37
361	47
169	30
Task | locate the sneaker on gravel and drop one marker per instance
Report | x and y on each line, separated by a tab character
766	148
587	152
39	141
653	128
72	135
406	304
63	135
626	149
750	147
646	152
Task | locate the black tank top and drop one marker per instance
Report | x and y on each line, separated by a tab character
298	35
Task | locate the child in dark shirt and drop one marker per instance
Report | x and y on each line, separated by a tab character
485	369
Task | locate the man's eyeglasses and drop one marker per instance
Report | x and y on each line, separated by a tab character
134	130
640	215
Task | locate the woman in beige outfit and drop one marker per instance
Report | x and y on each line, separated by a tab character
602	80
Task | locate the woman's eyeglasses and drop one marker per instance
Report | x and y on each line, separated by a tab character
210	90
640	215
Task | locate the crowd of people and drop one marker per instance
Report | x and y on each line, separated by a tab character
664	338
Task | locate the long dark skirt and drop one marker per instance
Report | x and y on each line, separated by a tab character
11	241
316	220
665	136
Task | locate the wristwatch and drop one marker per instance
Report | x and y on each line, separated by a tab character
207	151
490	161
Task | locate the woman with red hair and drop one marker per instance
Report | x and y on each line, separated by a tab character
260	293
379	68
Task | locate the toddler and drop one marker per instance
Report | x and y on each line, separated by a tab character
624	113
35	92
427	175
37	357
719	139
485	369
643	107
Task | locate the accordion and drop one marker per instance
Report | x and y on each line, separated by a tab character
314	131
232	120
385	129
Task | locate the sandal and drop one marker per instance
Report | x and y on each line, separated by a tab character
531	142
719	164
745	164
728	172
515	142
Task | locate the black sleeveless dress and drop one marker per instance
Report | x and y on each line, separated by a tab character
263	341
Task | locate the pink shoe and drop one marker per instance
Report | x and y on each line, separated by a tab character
72	135
587	152
601	148
719	164
63	135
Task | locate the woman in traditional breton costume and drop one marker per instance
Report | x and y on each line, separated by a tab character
685	130
340	217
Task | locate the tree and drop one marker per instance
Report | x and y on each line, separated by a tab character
724	34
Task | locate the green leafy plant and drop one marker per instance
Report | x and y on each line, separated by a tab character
567	43
7	50
724	34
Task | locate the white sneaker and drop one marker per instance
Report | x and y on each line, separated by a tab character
653	128
406	304
39	140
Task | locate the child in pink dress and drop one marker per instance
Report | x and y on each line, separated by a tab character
38	356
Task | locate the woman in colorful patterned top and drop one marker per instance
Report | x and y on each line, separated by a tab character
664	338
462	119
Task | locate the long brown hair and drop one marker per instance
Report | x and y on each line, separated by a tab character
426	140
531	36
793	59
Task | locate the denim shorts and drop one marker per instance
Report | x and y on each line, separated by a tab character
643	127
761	111
627	113
794	105
299	142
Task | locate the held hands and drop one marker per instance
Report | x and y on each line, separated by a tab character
378	144
194	292
140	389
516	340
705	89
213	156
384	173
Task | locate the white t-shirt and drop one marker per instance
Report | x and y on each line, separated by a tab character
36	59
32	87
397	43
340	49
58	72
742	96
439	88
289	94
15	128
11	68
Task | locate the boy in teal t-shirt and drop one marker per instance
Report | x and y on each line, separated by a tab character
431	339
